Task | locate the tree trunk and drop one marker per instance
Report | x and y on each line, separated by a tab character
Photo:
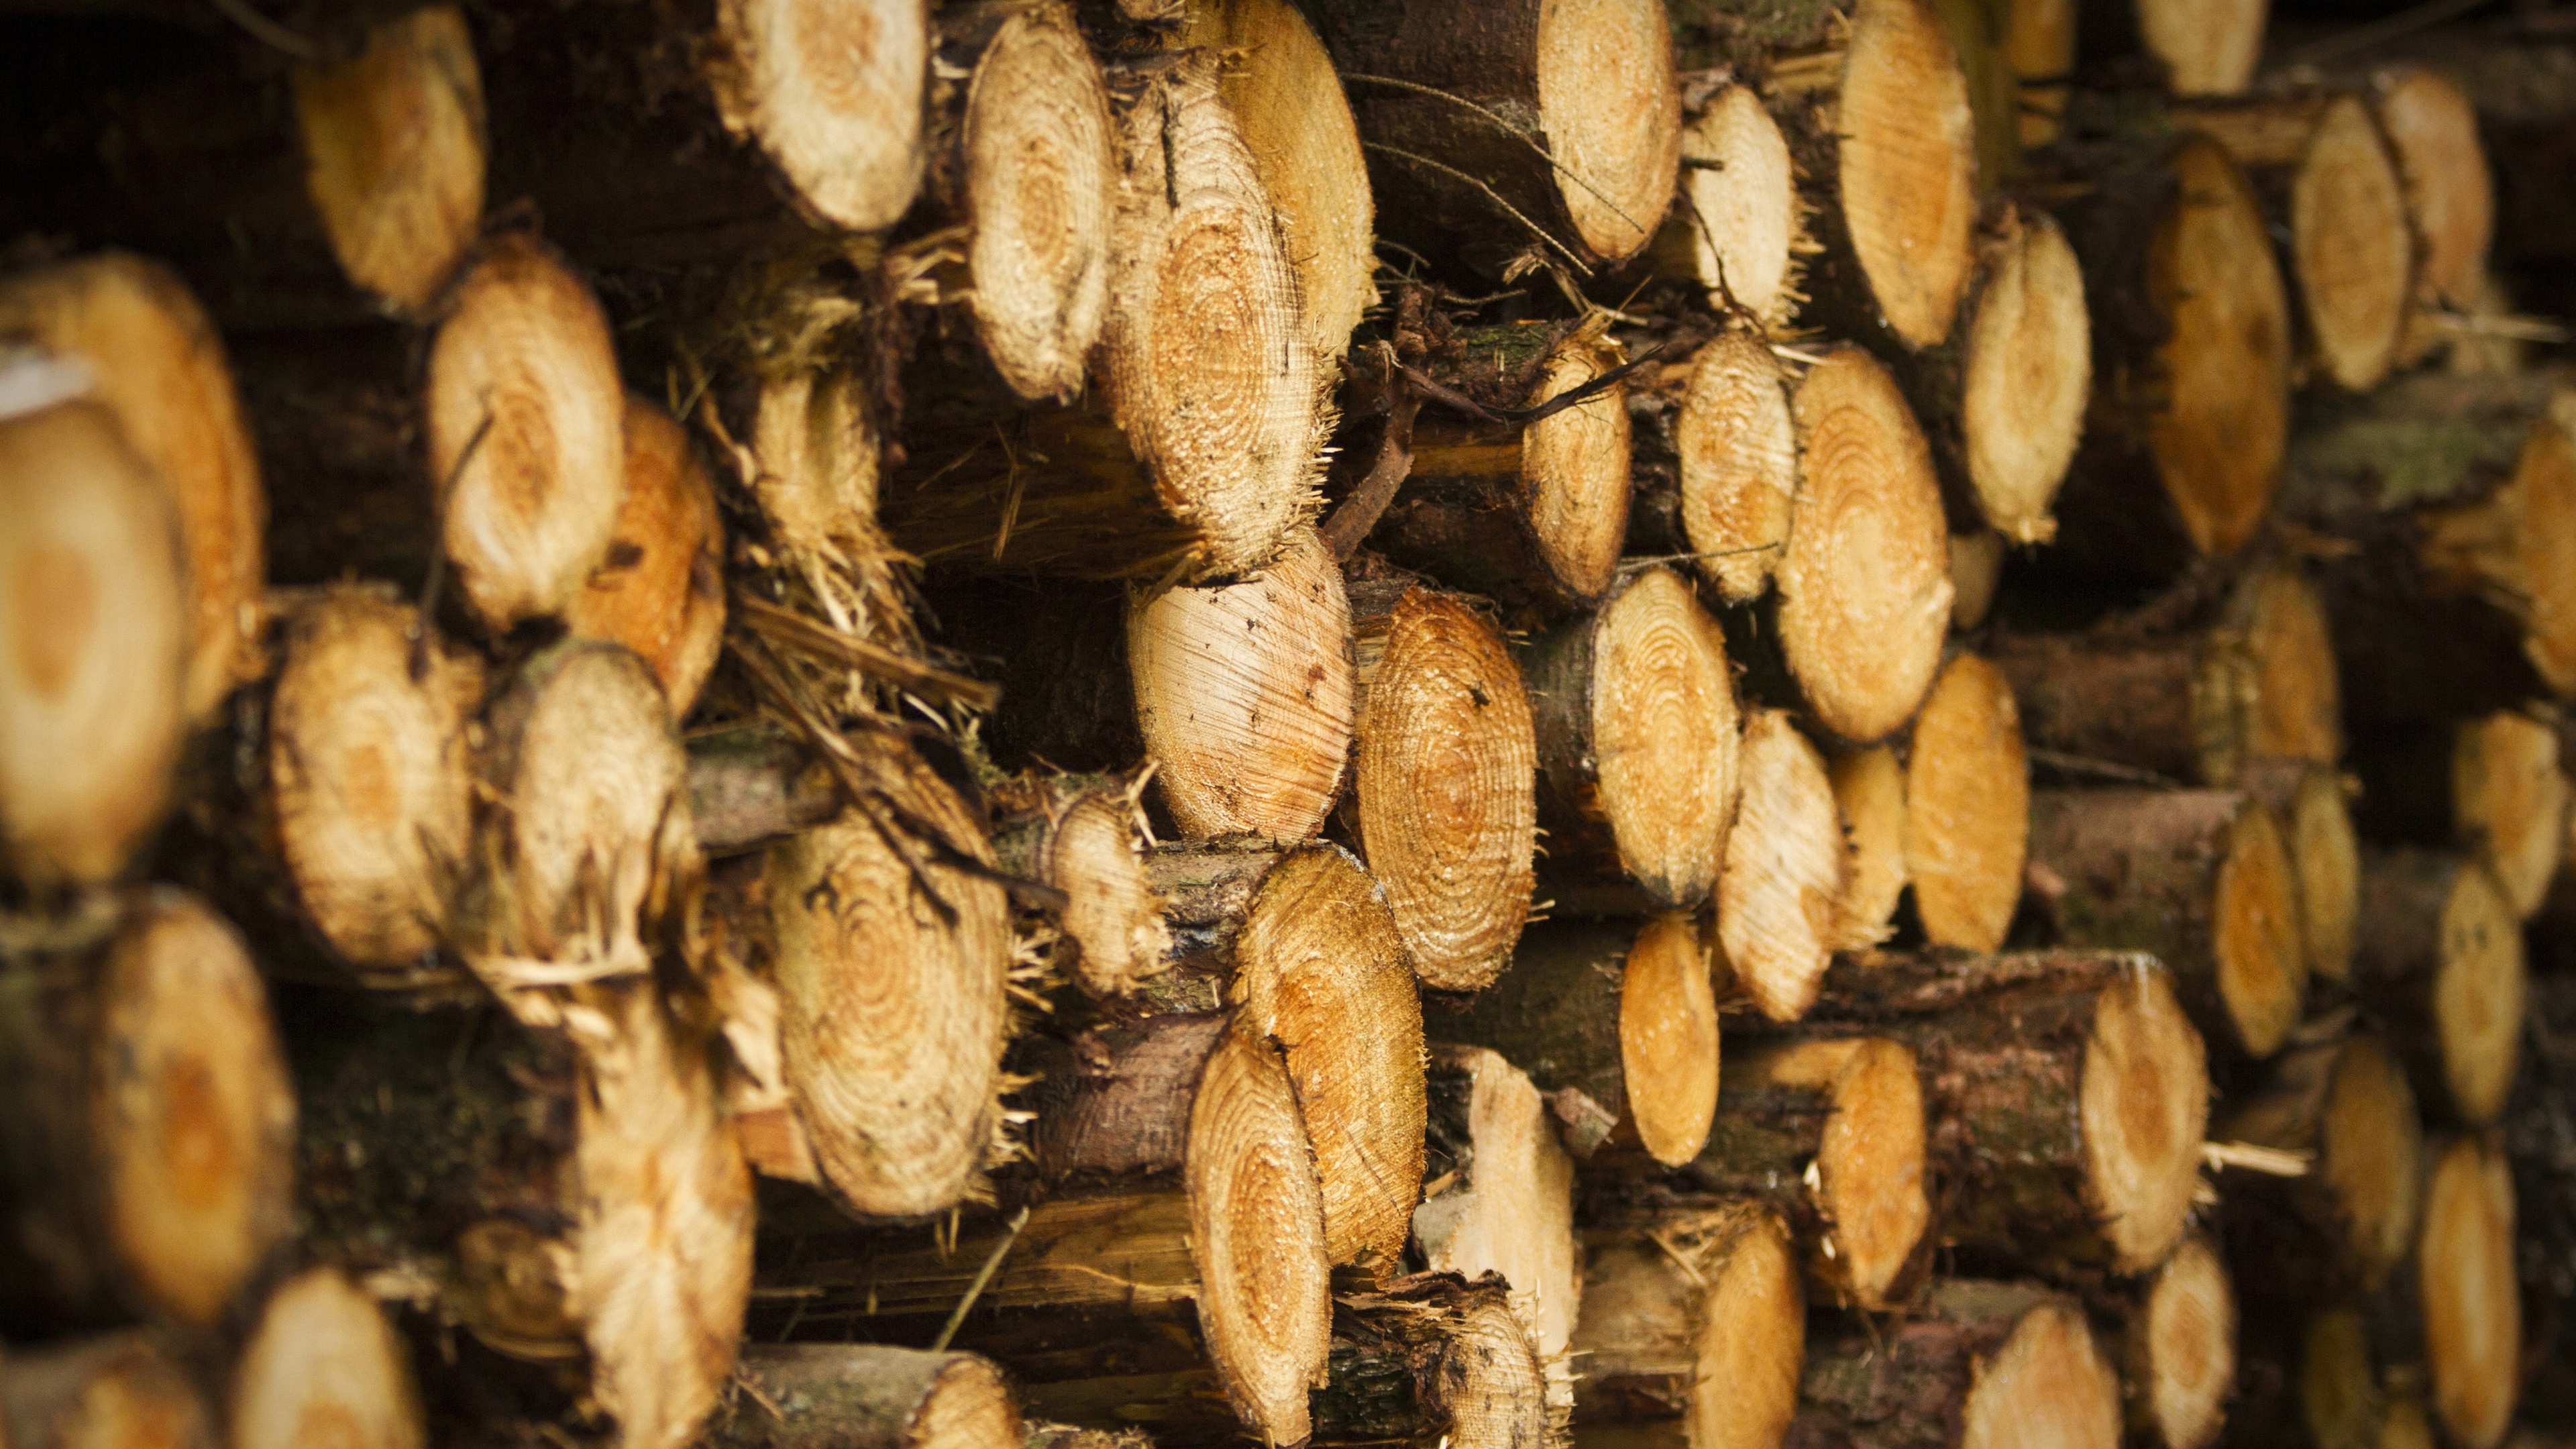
321	1353
1981	1362
1500	1199
867	1396
122	1389
2441	961
1697	1314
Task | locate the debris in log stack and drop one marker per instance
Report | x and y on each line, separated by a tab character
833	96
1740	224
2192	350
2347	1106
2201	879
1203	447
2441	959
1979	1364
393	152
1306	147
2181	1349
813	465
156	364
866	1396
1966	807
94	610
1635	713
2472	1298
660	589
1443	778
371	775
526	424
1864	583
1616	1024
1780	891
1516	125
1738	461
122	1389
1694	1313
322	1366
150	1164
1505	1199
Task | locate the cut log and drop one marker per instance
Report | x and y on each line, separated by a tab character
660	589
1780	891
1864	583
1979	1364
1966	807
2066	1094
1695	1313
815	470
2312	804
1739	222
122	1389
1443	779
1616	1024
2472	1298
2491	785
1297	123
1738	450
156	363
2514	548
2259	681
95	611
1869	790
1513	124
1976	571
1635	713
322	1366
393	153
1505	1198
562	1191
832	96
867	1396
371	776
526	424
2346	1104
2450	193
1530	515
1092	844
1320	970
2209	47
2441	958
2181	1349
1434	1358
2201	879
2340	1398
1204	449
2038	41
151	1164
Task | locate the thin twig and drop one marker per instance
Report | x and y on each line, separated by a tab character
268	32
787	628
1515	132
2102	769
983	1275
1491	195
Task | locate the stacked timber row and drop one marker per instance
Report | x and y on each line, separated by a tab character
1447	722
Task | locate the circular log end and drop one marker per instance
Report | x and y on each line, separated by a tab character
2143	1107
2048	1384
393	153
93	646
523	375
1492	1383
1517	1217
2209	47
1869	791
1907	166
970	1406
2450	193
1113	916
158	365
1574	472
2543	566
1976	572
1967	807
833	94
2479	986
323	1370
1865	583
1610	108
2186	1347
660	590
2298	696
820	455
1778	916
892	1010
2472	1300
2351	247
1041	176
117	1392
1750	1342
1245	696
1444	783
1871	1166
2508	792
2370	1147
1738	451
371	774
2326	852
2339	1398
1320	970
1668	1039
2028	375
1741	203
2223	425
2262	962
1257	1238
1664	744
192	1111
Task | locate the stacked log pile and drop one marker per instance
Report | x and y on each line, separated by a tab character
1452	722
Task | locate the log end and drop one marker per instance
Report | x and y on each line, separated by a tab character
2370	1147
1664	746
1906	152
1976	572
2262	962
1574	471
2480	984
1095	853
1668	1039
2450	192
1749	1343
1870	1163
1512	1213
2183	1348
2209	47
833	94
2508	793
2027	375
2325	850
2223	424
660	588
1967	807
2351	247
1739	199
2048	1384
2143	1108
1869	791
121	1390
393	153
1610	108
322	1369
1738	450
1779	897
2472	1299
